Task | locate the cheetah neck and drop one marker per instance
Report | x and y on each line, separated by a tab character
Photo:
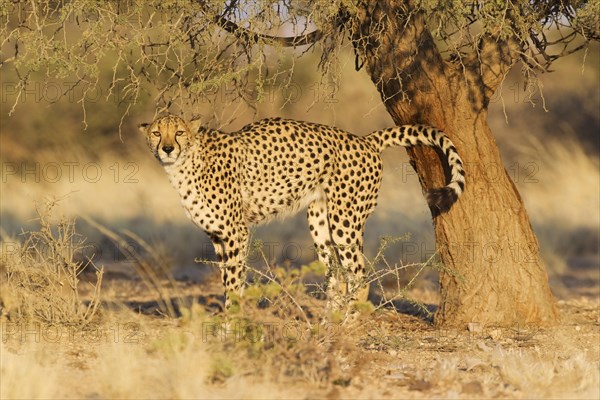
173	170
183	169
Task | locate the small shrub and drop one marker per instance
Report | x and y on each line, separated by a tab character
41	275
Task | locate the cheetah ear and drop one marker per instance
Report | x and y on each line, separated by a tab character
195	125
143	128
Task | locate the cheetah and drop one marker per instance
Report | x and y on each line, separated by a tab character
275	167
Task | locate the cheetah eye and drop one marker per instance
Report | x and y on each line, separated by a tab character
156	133
179	133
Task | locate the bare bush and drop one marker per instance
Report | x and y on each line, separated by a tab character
41	275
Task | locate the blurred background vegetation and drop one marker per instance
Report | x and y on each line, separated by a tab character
92	157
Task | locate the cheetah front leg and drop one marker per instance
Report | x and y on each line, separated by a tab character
231	254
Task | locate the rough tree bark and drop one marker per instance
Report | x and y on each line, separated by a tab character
493	273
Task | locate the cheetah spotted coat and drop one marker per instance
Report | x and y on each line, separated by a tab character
275	167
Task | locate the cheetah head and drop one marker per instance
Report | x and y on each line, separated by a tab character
168	137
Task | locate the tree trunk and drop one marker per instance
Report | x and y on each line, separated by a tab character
492	273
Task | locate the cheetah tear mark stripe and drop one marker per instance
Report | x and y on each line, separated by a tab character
440	200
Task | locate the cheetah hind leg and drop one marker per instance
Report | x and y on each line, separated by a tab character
347	227
319	229
337	281
345	287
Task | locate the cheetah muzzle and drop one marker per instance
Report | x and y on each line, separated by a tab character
229	182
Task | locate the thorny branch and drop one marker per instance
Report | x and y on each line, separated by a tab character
249	36
179	52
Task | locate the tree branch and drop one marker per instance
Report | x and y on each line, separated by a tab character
250	36
247	35
490	63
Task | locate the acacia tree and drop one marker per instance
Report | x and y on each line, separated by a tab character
433	62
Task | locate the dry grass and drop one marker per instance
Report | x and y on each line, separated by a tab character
556	167
19	368
279	347
153	357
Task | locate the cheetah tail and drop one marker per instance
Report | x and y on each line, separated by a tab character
440	200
